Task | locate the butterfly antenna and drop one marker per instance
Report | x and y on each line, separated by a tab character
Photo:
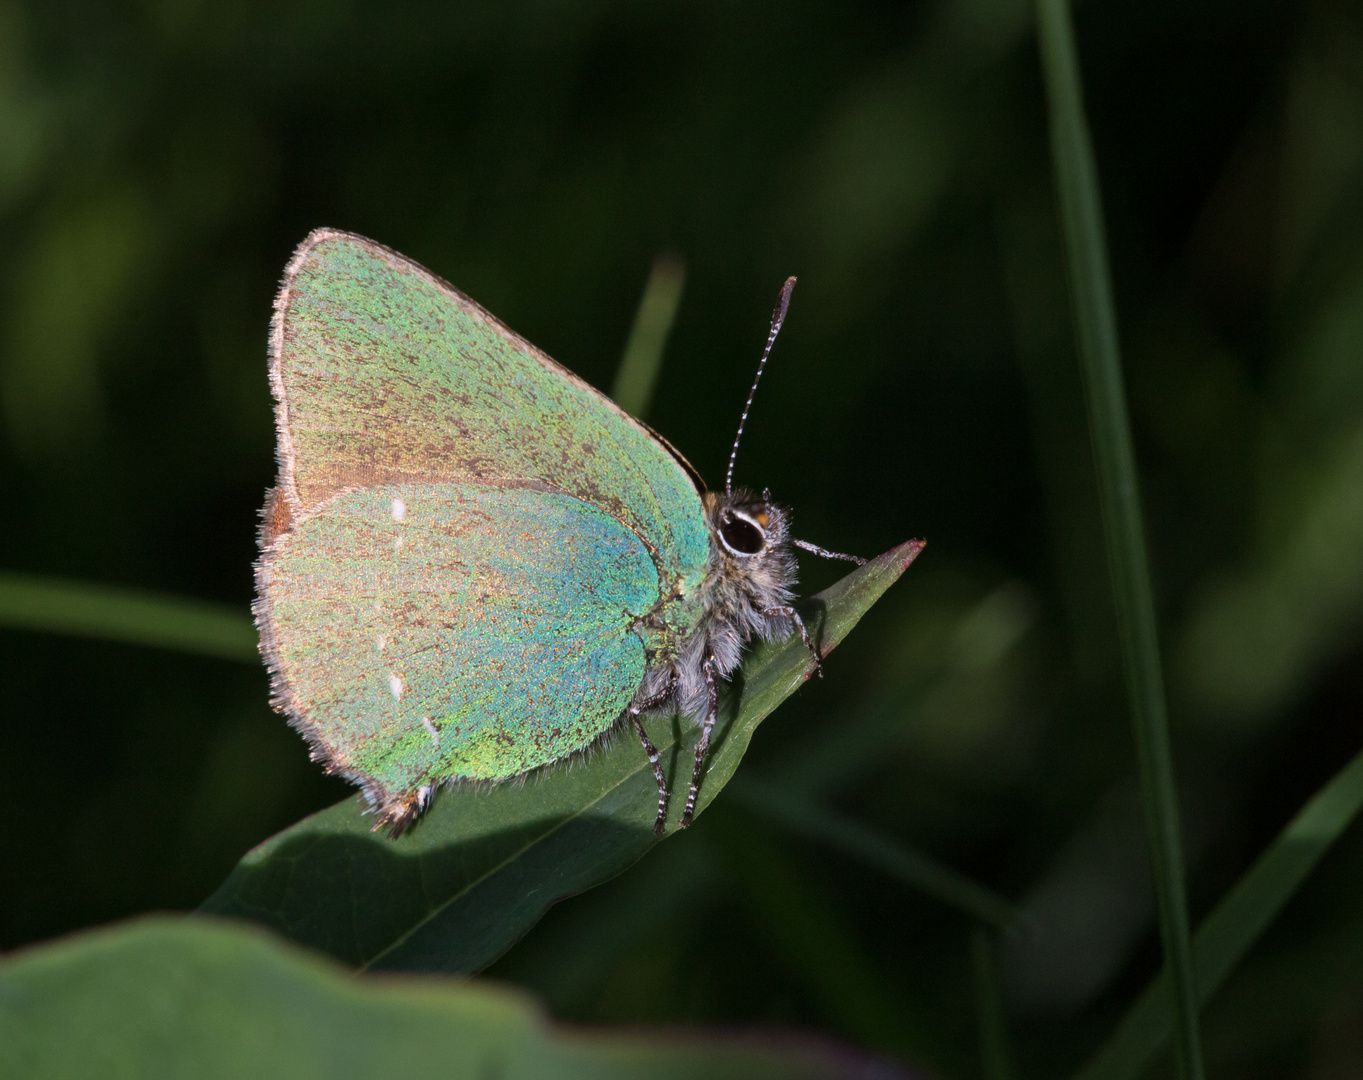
777	318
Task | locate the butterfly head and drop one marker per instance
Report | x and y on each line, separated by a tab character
747	527
751	545
750	534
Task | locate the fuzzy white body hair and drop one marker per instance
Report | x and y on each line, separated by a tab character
741	598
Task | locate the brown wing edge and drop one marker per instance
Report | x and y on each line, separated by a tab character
283	507
392	809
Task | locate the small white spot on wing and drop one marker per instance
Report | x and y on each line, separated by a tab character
381	642
397	542
399	510
431	730
395	686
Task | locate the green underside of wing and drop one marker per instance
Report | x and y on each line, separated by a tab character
388	375
429	631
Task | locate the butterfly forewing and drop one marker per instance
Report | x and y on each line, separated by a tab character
385	374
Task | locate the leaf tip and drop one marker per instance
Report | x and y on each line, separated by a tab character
906	552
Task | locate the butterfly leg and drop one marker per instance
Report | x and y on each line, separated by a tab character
794	616
652	751
807	546
702	747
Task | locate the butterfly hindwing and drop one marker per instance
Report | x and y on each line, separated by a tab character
420	632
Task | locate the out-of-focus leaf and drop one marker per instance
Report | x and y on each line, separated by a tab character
637	376
975	642
820	946
911	867
181	997
1236	923
483	865
128	615
1259	635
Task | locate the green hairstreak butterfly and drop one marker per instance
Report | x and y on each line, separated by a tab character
473	563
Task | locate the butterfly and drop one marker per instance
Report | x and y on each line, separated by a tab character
473	564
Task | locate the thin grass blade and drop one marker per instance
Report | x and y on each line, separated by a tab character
134	616
1076	180
996	1061
637	376
1235	924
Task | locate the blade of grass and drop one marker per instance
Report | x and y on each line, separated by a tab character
127	615
807	818
639	367
1076	180
1241	917
995	1060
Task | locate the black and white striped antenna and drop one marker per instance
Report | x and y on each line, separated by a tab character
777	318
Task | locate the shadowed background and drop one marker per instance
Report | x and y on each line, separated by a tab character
160	163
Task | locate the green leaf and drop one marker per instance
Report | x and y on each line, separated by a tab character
483	864
128	615
181	997
1237	922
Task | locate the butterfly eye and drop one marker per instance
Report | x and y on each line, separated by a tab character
741	535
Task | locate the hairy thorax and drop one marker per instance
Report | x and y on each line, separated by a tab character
744	594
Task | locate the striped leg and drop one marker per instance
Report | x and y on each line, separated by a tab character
652	751
704	745
794	616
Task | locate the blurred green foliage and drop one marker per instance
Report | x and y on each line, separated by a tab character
178	997
160	162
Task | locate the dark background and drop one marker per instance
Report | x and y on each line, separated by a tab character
159	163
